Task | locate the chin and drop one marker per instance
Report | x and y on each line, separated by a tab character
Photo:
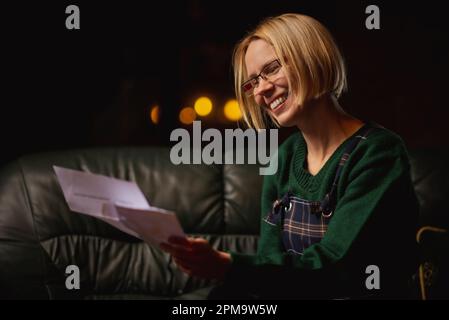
288	118
286	123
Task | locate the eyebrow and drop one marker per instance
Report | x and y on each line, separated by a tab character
252	75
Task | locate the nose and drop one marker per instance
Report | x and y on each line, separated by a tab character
263	87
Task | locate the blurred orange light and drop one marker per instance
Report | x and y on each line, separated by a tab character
187	115
154	114
203	106
232	110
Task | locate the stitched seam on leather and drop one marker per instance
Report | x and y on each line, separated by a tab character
35	232
90	236
217	235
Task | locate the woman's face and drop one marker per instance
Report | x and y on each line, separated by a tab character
273	94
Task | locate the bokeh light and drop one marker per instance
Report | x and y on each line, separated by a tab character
154	114
187	115
203	106
232	110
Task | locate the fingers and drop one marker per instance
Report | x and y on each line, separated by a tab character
186	244
200	259
194	256
181	257
196	251
185	264
201	245
176	251
176	243
181	241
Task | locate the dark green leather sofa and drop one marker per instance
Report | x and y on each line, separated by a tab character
40	236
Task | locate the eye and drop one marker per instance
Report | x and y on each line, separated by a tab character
271	69
255	82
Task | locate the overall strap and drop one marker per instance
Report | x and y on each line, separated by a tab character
328	203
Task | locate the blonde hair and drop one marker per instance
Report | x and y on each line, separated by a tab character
312	62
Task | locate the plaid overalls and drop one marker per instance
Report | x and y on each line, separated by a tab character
305	222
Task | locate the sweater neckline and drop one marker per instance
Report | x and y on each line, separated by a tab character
305	179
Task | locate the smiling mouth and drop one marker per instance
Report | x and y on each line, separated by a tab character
279	101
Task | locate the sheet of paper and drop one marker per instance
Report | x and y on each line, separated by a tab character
152	225
87	192
111	216
119	203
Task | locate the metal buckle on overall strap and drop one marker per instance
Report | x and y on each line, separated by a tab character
324	207
283	203
327	215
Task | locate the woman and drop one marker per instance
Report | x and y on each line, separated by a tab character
339	216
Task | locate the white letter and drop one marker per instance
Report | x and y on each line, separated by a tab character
175	310
214	146
373	20
272	156
73	280
72	21
196	142
239	136
183	146
373	281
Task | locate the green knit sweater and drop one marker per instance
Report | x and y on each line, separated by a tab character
374	222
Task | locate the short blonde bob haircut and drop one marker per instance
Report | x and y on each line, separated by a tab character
312	62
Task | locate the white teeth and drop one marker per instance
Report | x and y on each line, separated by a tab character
277	102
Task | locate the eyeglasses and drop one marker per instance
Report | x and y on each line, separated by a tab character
267	73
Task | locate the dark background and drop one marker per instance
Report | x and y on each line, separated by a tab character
94	87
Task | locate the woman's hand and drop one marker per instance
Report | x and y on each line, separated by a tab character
196	257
